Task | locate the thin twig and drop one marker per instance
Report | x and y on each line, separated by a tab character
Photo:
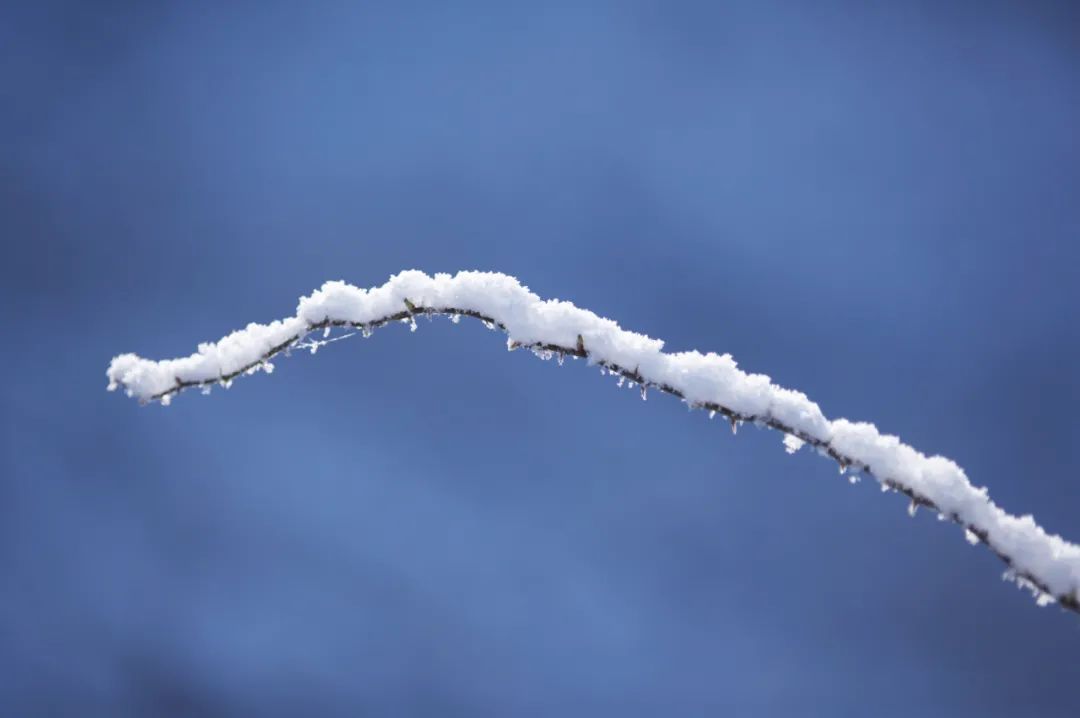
1070	602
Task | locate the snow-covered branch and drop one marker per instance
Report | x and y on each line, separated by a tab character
1044	563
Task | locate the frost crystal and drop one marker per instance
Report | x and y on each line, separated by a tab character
792	443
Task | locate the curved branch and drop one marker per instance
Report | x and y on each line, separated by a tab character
1048	565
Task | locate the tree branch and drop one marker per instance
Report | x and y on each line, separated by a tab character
1034	565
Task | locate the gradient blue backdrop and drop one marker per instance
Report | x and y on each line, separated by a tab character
876	205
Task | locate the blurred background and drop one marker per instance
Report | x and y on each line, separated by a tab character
874	203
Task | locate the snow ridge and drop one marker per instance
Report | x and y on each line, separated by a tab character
1046	564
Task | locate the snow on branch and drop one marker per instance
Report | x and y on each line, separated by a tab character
1046	564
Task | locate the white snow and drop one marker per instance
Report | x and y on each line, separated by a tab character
707	380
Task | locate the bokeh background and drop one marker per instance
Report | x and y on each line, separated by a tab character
876	203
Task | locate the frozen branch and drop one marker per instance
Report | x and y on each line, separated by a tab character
1046	564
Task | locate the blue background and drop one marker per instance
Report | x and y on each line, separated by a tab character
876	205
